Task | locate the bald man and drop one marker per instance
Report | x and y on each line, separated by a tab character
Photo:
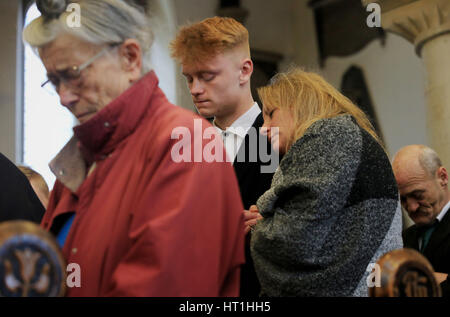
423	185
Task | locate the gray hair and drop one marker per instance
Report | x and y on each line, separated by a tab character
429	160
102	22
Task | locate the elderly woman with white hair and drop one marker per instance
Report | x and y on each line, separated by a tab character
121	208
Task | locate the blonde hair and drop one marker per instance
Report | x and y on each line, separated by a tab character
309	98
208	38
32	175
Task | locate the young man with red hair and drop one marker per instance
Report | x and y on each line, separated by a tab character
215	59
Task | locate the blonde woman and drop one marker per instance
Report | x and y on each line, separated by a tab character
333	206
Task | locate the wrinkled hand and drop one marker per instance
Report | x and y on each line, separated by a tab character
251	217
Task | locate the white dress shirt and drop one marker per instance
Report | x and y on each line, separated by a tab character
443	212
234	135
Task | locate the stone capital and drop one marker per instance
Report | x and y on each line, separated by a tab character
418	21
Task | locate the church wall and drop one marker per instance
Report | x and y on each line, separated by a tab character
266	21
395	77
8	111
394	74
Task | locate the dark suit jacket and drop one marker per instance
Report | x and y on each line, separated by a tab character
17	198
438	249
252	184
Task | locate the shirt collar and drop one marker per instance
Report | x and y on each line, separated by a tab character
242	124
443	212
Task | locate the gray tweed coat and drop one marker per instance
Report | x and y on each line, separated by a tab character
332	210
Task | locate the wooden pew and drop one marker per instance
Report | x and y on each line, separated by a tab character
31	263
405	273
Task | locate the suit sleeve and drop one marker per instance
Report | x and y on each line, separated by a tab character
18	200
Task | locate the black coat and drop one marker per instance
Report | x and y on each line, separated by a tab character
438	249
252	184
18	200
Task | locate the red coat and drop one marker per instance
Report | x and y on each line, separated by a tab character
144	225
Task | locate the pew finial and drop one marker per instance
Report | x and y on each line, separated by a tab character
31	263
405	273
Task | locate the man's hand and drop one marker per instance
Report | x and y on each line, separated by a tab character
251	217
440	277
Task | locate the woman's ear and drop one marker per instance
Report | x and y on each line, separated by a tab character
131	58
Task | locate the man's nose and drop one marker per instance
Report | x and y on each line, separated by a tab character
66	96
196	87
411	205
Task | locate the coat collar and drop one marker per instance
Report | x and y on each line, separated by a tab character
101	134
98	137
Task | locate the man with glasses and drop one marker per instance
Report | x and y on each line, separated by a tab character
70	76
136	222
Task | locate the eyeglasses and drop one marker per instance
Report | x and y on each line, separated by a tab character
71	76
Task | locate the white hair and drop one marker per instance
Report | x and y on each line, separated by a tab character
102	22
429	160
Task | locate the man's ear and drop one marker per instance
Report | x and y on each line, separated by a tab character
442	175
246	71
130	53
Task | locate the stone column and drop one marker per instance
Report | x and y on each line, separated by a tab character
426	24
